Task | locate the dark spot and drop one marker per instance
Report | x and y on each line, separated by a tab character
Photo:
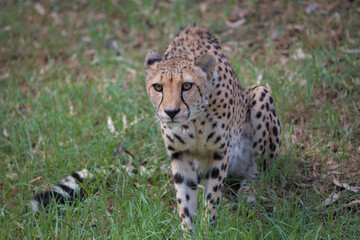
215	188
208	196
218	156
179	138
178	178
273	111
186	211
258	115
272	147
215	172
228	115
222	166
177	155
187	197
191	184
275	131
179	200
217	139
170	148
210	136
170	138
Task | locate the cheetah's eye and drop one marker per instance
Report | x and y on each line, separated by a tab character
158	87
186	86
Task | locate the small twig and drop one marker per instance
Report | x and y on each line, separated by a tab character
119	149
129	153
117	153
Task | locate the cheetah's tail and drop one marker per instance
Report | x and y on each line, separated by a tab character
67	190
70	189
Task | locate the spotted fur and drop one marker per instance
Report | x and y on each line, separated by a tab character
216	126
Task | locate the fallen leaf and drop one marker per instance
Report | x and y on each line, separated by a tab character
236	24
71	108
355	202
351	51
331	199
259	79
86	39
110	125
311	8
124	121
5	133
335	17
12	176
39	9
299	54
56	18
203	8
346	186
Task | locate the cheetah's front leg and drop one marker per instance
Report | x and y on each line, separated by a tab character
186	181
214	183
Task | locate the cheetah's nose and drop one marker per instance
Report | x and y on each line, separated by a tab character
172	113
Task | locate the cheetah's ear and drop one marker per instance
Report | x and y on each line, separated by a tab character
207	63
151	60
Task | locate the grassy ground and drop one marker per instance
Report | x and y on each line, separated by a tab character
66	67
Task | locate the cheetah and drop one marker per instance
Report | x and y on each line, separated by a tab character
208	121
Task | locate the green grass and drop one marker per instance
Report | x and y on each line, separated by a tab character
64	71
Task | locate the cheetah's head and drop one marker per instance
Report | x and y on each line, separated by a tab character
178	88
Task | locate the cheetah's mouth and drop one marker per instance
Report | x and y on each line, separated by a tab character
178	121
173	123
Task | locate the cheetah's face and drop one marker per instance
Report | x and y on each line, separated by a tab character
178	88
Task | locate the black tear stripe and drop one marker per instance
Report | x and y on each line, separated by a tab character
162	97
199	91
182	99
